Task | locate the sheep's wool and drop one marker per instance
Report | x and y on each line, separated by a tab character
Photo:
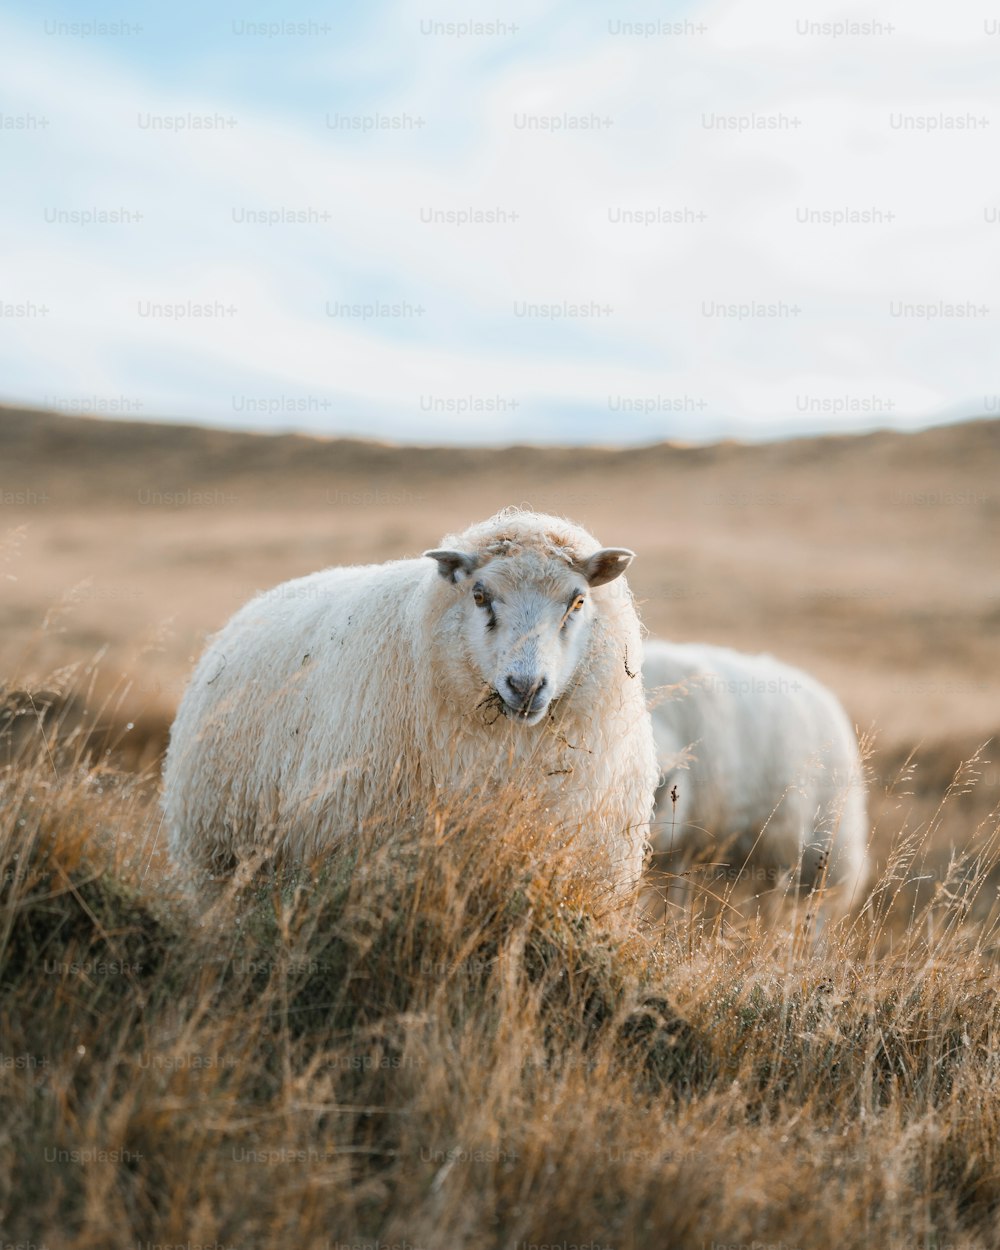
761	759
339	697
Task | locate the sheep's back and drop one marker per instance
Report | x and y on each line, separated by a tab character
287	706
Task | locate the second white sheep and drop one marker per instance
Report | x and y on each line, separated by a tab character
760	768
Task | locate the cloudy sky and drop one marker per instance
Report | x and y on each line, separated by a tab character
571	222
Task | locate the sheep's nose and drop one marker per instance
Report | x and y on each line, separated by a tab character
525	688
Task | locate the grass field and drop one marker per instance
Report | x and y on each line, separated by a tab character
448	1038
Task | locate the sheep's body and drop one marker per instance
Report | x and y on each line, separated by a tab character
765	764
346	696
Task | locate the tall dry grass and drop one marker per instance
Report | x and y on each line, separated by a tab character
449	1038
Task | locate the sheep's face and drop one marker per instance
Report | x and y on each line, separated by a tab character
526	620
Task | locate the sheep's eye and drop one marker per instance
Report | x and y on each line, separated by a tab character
575	605
479	596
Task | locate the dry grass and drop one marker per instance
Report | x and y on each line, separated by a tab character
447	1039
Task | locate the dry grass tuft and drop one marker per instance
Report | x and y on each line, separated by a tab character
450	1037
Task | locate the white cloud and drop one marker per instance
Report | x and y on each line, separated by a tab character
842	359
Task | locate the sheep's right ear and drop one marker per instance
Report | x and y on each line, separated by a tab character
454	566
607	564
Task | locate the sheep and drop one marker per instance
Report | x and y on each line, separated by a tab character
508	656
759	766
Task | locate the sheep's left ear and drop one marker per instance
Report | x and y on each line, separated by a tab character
605	565
454	566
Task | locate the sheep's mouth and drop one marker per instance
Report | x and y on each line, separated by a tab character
526	714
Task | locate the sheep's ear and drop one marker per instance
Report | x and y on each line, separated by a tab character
605	565
454	566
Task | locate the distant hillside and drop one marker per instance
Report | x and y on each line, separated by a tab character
71	457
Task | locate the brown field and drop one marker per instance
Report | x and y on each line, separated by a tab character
450	1043
869	560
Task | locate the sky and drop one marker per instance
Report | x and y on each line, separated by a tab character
547	222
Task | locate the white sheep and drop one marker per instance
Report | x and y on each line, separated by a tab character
354	693
759	766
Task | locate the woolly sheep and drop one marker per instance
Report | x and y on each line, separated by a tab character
764	764
511	655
